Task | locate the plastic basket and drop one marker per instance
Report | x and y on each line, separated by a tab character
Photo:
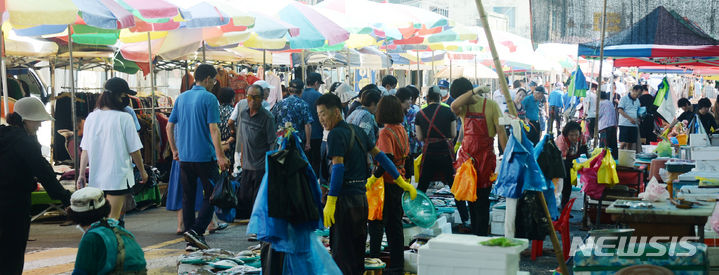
420	211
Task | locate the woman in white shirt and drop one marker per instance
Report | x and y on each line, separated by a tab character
110	139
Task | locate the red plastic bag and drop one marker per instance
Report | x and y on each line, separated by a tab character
375	200
464	186
589	177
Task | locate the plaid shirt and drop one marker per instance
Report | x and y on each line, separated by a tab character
365	120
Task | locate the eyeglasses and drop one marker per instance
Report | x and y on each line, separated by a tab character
254	97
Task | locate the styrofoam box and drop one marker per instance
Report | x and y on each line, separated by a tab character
713	256
410	261
705	152
707	165
497	228
462	254
497	215
410	232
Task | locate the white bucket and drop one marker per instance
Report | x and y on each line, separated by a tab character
626	158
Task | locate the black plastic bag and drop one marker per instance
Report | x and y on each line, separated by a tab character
224	196
153	176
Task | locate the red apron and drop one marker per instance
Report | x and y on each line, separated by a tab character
479	145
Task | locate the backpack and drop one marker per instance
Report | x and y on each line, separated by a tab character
128	257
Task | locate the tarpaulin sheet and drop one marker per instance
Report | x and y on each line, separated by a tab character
579	21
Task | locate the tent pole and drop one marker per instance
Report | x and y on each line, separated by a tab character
513	111
76	161
476	79
204	57
601	63
152	94
450	67
349	78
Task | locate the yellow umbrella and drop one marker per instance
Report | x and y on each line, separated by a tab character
41	12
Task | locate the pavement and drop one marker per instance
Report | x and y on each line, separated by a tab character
51	248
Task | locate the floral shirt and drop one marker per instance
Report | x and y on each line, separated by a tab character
225	112
295	110
414	145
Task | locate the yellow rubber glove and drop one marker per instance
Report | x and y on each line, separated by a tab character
329	211
370	181
406	187
456	147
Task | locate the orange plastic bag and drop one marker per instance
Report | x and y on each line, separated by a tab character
464	186
375	199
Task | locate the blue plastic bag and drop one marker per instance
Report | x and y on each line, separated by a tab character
519	170
316	261
228	214
284	236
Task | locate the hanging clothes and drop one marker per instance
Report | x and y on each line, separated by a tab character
223	78
187	82
276	92
519	170
531	221
550	162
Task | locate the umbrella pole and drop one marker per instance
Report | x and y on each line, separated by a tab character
304	67
450	67
53	95
601	63
433	76
204	57
264	62
76	161
476	79
513	111
419	82
4	75
152	92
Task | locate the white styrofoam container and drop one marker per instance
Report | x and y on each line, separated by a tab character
410	232
707	165
497	215
705	152
462	254
497	228
410	261
446	228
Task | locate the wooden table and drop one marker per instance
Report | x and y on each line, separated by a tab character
664	219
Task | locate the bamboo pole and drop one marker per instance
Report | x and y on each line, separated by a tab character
73	108
599	78
513	111
4	75
153	150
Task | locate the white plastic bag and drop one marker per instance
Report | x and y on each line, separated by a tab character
655	191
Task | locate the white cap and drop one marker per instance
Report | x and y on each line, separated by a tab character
263	84
32	109
86	199
345	92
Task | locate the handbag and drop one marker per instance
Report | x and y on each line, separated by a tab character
223	196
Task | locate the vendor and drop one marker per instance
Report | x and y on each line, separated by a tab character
572	146
21	166
480	117
687	112
346	208
105	244
707	119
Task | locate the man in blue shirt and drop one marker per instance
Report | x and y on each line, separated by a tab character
556	104
310	95
531	107
195	142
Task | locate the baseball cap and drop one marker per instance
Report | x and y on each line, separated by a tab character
86	199
32	109
297	84
540	89
118	85
532	84
558	85
443	84
312	77
263	84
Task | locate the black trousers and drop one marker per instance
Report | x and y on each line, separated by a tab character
567	185
208	173
14	231
534	131
440	166
315	155
348	235
391	224
273	262
608	138
479	212
591	121
250	181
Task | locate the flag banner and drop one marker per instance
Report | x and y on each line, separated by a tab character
577	84
666	106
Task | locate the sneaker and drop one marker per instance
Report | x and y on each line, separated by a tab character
190	248
197	240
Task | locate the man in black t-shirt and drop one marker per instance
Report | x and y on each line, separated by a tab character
436	126
706	117
687	114
346	208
